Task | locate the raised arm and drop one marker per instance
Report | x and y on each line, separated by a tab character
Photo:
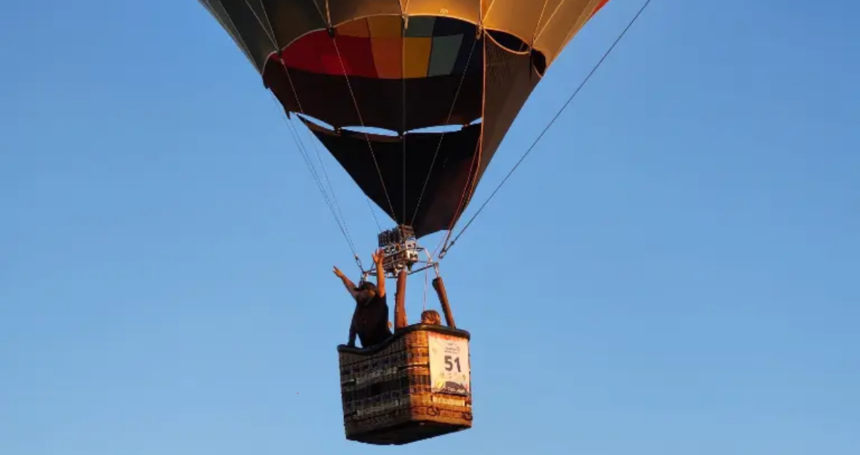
378	256
350	287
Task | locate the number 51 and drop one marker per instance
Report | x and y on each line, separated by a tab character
450	362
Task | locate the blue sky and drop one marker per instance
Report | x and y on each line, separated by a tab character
673	270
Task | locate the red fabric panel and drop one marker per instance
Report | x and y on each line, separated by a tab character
308	53
357	55
316	53
599	5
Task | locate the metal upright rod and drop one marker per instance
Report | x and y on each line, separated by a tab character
400	320
439	286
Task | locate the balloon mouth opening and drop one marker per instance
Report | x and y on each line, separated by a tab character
517	45
438	129
539	62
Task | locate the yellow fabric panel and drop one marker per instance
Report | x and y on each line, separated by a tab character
358	29
417	56
387	54
385	26
552	9
467	10
565	22
517	17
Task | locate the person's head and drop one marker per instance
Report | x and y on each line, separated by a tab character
367	291
431	317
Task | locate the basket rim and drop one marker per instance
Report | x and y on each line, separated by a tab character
441	329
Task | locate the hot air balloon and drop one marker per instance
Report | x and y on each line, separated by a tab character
405	66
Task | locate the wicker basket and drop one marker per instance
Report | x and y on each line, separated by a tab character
389	396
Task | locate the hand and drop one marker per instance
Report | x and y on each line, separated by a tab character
338	272
378	256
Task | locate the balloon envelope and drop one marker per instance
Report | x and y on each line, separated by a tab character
406	65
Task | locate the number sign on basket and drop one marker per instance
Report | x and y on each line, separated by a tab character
449	364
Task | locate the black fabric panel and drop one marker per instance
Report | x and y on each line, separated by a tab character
260	27
255	37
263	21
428	100
217	11
293	19
447	180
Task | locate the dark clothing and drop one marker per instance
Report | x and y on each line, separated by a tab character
370	322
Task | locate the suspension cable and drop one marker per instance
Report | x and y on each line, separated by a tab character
373	212
426	279
442	137
341	222
361	120
328	181
403	25
468	188
344	228
557	115
305	156
327	21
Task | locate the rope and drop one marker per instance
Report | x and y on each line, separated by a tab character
303	152
373	212
361	120
448	120
328	181
470	185
557	115
426	278
403	25
344	228
341	221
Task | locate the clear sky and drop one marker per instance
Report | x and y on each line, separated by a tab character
674	270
